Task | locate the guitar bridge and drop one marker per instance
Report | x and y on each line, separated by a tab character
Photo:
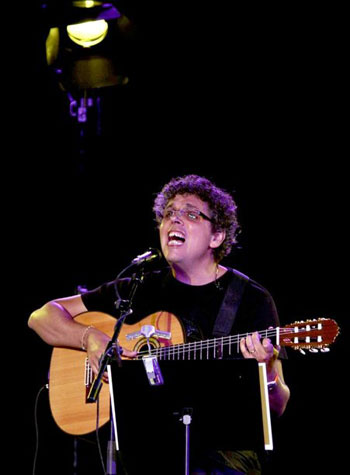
87	379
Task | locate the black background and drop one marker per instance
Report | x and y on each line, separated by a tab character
251	98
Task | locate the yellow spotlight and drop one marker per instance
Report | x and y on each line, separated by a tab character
86	3
89	33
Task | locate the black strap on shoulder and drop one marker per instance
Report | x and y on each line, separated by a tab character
228	310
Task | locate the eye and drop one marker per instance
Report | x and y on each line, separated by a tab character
168	213
192	215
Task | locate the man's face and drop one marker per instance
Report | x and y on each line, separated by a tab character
186	238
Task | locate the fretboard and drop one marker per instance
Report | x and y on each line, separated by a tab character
214	348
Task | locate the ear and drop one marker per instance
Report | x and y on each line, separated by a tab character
217	239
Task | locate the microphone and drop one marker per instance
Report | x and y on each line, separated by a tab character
148	256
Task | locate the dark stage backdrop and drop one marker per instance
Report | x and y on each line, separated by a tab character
252	101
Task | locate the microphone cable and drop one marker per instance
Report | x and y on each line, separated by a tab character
36	425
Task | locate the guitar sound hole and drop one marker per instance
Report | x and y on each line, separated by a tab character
142	346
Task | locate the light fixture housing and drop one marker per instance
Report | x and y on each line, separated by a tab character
87	44
64	12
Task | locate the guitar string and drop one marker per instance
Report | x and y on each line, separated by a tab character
210	343
231	340
265	333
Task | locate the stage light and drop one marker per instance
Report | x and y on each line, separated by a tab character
89	33
89	50
86	3
88	44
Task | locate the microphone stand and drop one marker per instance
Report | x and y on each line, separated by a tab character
113	351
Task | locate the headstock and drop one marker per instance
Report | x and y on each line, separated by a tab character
312	335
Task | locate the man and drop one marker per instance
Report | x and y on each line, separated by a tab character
197	228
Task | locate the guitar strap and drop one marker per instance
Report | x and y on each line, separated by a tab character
228	310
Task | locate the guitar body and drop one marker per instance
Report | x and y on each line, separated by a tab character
70	376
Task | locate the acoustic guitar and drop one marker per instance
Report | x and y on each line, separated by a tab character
70	376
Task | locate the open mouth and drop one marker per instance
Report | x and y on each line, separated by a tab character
176	238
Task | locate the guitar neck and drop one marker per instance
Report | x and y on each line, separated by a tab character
214	348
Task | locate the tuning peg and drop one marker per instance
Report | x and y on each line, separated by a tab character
313	350
302	351
325	350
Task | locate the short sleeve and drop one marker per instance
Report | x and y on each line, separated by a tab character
101	299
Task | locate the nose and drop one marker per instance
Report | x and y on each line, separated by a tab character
176	216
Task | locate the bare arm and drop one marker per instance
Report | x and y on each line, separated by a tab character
252	347
279	392
54	323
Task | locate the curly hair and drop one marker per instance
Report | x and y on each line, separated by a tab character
221	204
